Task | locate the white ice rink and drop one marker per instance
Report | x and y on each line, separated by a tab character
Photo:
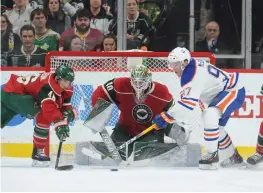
18	175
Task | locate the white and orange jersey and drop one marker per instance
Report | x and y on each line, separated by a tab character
201	82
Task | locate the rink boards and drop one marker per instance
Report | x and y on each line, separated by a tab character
16	139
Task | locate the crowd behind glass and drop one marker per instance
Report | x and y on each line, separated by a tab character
32	28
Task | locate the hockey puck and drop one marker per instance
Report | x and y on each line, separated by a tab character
114	170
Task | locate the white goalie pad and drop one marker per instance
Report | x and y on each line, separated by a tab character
185	156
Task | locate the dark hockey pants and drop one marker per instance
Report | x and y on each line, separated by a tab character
13	104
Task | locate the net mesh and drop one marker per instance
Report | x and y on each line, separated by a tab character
92	71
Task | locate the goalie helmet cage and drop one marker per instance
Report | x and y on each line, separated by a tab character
95	68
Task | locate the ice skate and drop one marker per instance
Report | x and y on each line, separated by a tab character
235	160
39	158
209	161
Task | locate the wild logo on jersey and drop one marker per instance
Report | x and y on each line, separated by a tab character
142	114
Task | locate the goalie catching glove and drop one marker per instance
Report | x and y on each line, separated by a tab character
162	120
62	129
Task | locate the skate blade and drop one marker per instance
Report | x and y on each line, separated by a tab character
213	166
258	166
41	164
233	165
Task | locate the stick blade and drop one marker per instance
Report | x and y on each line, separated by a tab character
63	168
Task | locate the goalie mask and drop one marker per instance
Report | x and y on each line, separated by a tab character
141	80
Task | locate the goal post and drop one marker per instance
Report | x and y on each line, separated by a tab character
95	68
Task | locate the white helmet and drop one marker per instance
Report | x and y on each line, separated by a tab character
178	56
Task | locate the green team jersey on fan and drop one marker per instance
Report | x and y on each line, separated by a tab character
18	58
48	41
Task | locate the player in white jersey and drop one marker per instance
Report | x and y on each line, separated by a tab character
220	92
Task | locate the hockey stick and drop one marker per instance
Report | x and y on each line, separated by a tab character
130	141
65	167
104	135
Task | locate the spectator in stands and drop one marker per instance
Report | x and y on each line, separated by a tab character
37	4
109	43
19	15
211	43
72	43
139	26
9	40
70	7
100	19
91	38
28	54
57	20
45	38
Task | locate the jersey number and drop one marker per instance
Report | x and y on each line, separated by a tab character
109	86
52	95
216	72
26	79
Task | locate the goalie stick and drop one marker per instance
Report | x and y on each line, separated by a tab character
102	157
104	134
130	141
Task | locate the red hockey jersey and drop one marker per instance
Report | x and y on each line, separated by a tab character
134	117
45	89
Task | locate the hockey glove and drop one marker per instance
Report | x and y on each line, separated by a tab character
261	89
162	120
69	115
62	129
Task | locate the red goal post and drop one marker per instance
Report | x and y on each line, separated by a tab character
95	68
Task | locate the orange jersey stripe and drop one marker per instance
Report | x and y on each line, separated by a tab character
226	101
188	102
211	134
231	81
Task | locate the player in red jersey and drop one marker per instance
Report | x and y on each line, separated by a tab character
45	97
257	158
139	99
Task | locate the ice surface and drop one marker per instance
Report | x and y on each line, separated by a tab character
18	175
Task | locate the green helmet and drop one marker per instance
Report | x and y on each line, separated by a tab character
64	72
141	80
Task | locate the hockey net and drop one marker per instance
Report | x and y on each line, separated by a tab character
95	68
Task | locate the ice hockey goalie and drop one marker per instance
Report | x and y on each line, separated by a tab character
139	100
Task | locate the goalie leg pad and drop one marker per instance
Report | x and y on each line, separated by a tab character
144	155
